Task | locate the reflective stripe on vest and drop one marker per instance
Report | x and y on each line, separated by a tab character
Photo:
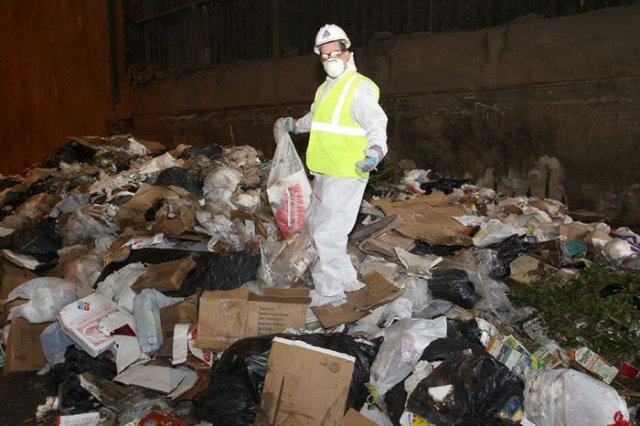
337	142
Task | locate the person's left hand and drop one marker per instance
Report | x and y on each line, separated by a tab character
368	164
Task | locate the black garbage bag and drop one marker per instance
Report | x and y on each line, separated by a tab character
213	271
64	377
464	330
445	348
234	393
422	248
481	386
453	285
178	176
445	185
71	152
212	151
507	251
395	400
40	241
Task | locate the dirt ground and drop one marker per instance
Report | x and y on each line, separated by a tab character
19	397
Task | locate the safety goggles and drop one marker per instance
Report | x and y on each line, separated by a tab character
331	55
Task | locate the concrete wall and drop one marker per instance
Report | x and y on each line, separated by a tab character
540	106
55	80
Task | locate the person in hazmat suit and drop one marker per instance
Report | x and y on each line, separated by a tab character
348	138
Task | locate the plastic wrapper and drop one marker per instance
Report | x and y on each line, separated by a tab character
117	286
47	295
619	250
376	415
146	311
569	397
397	310
54	343
288	188
221	228
233	397
219	186
286	263
86	224
494	231
401	349
417	290
467	390
453	285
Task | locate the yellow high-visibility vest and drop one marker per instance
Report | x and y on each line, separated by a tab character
337	142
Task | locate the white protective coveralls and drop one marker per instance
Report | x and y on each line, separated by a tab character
335	201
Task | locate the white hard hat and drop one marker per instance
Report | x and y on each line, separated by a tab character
329	33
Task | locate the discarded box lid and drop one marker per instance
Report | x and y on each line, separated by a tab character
227	316
24	351
81	321
305	385
359	303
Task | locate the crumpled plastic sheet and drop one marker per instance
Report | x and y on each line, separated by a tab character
146	311
46	295
401	349
569	397
117	286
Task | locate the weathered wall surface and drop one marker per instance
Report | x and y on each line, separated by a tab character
540	106
55	78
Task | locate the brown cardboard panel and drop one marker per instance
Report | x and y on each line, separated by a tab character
305	385
166	276
185	312
428	218
226	316
359	304
12	277
24	351
385	244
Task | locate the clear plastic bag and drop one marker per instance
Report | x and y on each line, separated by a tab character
400	351
219	186
285	263
417	290
54	343
117	286
146	311
288	188
47	295
569	397
398	309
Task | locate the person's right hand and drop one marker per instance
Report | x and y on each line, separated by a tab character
286	124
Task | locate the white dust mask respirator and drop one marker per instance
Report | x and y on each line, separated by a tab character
334	67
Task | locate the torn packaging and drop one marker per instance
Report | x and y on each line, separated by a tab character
305	385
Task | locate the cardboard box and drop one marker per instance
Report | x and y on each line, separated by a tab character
227	316
81	321
305	385
359	304
165	276
12	277
24	351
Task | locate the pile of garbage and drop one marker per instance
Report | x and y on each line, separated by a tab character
157	286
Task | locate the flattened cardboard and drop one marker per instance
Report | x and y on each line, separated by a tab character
24	351
305	385
359	304
353	418
12	277
429	218
384	245
227	316
165	276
